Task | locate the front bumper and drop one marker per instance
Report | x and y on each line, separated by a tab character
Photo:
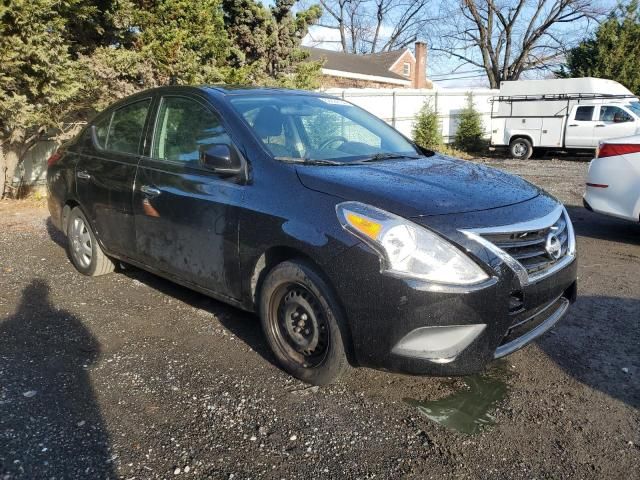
394	323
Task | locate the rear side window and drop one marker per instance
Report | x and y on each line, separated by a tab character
127	125
584	114
183	128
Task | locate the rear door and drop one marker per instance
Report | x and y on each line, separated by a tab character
580	127
106	171
613	122
187	216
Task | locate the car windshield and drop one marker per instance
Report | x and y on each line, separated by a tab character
634	107
306	128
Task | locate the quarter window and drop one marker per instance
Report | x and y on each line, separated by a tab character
584	114
127	126
185	127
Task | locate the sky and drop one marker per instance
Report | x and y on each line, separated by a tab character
449	72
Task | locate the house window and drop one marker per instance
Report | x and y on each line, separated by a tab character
406	69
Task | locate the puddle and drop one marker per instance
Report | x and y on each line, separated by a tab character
468	410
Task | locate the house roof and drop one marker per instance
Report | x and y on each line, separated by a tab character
373	64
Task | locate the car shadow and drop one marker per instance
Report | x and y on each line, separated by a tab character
597	344
244	325
603	227
56	235
50	422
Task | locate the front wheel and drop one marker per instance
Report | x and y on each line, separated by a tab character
82	247
301	320
521	149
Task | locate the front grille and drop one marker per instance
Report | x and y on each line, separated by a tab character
530	325
534	249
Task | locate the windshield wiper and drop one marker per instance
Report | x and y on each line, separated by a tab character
386	156
308	161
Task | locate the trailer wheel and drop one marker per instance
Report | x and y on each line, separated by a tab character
520	148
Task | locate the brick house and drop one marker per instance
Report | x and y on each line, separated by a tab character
395	69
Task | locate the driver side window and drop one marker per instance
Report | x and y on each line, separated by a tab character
614	114
183	128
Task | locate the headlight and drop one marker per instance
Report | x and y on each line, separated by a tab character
409	250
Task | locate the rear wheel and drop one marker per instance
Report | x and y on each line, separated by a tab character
301	320
520	149
84	251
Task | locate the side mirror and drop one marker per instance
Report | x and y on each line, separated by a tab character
222	159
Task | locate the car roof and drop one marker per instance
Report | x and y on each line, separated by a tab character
249	90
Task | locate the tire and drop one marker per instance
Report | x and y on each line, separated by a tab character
520	149
82	247
301	320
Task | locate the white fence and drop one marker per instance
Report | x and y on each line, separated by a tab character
33	169
399	107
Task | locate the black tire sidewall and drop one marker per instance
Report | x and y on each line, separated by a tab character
524	141
91	269
335	361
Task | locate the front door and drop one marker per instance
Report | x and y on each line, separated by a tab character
186	216
105	173
579	133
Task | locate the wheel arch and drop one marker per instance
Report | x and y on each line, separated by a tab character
268	260
526	136
276	255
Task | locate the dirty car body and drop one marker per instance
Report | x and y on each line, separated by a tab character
434	265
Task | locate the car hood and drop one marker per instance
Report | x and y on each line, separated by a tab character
435	185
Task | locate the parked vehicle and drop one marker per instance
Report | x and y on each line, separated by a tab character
562	114
352	244
613	180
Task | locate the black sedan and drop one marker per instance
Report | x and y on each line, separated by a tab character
354	245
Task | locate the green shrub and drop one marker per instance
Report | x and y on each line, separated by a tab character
426	131
470	133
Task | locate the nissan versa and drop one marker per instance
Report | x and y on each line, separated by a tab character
354	245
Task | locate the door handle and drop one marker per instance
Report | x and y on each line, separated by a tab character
600	125
82	174
150	191
573	125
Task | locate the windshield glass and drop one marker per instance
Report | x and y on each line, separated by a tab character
308	128
634	107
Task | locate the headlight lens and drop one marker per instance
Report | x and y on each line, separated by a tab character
407	249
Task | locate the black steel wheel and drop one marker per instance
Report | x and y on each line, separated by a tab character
301	330
301	320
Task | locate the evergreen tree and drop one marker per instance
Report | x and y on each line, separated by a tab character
39	81
62	59
469	135
266	42
426	131
184	40
613	52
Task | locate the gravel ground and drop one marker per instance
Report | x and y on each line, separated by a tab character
130	376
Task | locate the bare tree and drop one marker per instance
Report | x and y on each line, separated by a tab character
370	26
506	38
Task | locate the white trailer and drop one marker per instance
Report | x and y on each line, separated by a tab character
562	114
